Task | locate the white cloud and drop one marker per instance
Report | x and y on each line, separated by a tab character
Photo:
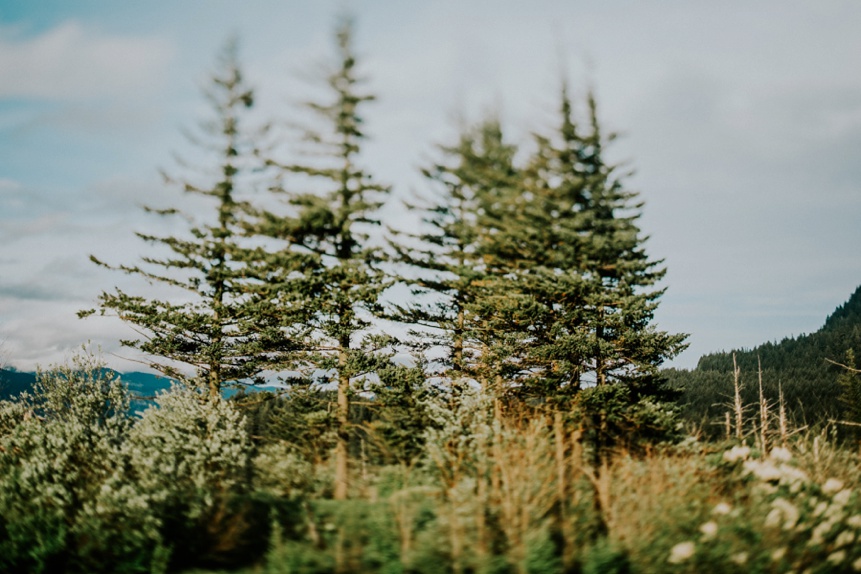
71	61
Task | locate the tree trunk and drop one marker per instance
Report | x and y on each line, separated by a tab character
341	468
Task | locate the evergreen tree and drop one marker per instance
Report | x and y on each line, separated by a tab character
236	317
448	310
332	222
627	347
850	384
574	248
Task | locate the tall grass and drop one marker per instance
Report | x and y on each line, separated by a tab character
497	488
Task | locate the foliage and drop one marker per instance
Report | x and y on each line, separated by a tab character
542	441
450	294
59	447
331	223
802	368
200	449
850	385
86	488
234	317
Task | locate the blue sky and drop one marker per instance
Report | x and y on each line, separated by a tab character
742	121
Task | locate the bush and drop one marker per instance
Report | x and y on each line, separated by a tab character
190	458
85	488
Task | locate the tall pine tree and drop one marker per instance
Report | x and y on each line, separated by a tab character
626	347
230	319
332	222
448	309
581	259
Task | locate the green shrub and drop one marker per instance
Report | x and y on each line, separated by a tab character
85	488
189	457
63	502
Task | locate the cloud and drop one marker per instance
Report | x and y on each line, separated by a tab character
71	62
31	291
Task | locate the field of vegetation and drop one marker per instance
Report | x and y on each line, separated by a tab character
460	481
482	393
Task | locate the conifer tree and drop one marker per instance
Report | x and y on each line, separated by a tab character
233	316
332	222
849	381
575	249
626	346
471	179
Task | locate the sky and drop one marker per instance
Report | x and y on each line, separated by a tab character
741	121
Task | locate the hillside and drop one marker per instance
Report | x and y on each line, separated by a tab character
799	364
13	383
143	386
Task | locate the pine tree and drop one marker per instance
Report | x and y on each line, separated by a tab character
233	316
448	310
575	249
332	222
849	381
627	347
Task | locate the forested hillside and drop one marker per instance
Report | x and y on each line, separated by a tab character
803	367
13	383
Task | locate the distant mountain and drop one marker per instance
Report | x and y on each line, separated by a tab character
143	386
13	383
801	365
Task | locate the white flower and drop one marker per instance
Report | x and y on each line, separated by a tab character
778	554
740	558
781	454
857	565
820	509
818	535
681	552
794	477
785	510
736	453
834	513
854	521
773	518
842	497
722	508
845	538
832	485
764	489
765	471
709	530
837	557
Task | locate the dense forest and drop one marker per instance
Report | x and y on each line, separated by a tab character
508	414
814	373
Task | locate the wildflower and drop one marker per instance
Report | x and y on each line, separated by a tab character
764	489
832	485
681	552
777	555
854	521
834	513
818	535
722	508
781	454
736	453
845	538
765	471
740	558
857	565
773	518
793	477
837	557
782	509
709	530
820	509
842	497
